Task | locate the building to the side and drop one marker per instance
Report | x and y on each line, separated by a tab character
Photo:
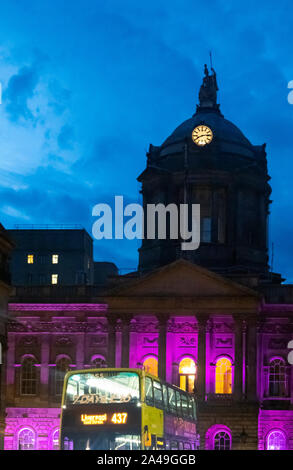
5	249
215	321
57	256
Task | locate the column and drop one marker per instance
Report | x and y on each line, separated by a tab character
201	360
251	359
125	340
238	359
111	356
163	320
44	369
80	350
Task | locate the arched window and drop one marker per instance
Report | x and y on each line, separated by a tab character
62	366
223	382
98	362
276	440
277	378
55	440
28	377
187	371
26	439
151	365
222	441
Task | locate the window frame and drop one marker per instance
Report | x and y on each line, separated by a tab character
149	399
31	381
224	433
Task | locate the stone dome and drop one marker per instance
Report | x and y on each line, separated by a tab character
225	134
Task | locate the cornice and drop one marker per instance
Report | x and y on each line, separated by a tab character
32	307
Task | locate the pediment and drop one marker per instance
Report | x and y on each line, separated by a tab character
181	279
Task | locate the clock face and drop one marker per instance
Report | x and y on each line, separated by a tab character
202	135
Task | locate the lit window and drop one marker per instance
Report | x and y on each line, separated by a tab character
223	376
55	259
276	440
30	259
26	439
222	441
277	378
151	366
54	279
187	371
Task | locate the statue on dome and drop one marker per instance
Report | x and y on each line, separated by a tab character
208	89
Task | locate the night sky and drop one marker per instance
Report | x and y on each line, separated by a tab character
88	85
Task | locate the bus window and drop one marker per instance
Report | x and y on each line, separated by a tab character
178	401
180	445
193	407
158	396
104	387
174	445
165	397
190	407
167	445
149	398
187	446
172	400
184	405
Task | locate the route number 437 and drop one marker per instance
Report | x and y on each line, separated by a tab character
119	418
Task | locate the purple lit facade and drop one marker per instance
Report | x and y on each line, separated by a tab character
251	334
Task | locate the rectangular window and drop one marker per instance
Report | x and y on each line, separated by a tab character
149	398
172	400
110	387
54	279
184	405
165	397
174	445
179	412
30	259
158	394
55	259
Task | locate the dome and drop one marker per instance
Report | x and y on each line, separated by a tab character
227	136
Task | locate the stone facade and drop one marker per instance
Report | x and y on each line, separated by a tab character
176	312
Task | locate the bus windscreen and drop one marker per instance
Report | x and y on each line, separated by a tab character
102	387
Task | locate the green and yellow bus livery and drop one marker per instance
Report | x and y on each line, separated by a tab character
125	409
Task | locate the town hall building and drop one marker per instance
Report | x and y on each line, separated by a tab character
214	321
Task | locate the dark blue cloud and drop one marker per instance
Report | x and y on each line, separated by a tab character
21	87
114	79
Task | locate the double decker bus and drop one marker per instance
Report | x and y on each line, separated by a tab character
125	409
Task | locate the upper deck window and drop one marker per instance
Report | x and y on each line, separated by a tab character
102	387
